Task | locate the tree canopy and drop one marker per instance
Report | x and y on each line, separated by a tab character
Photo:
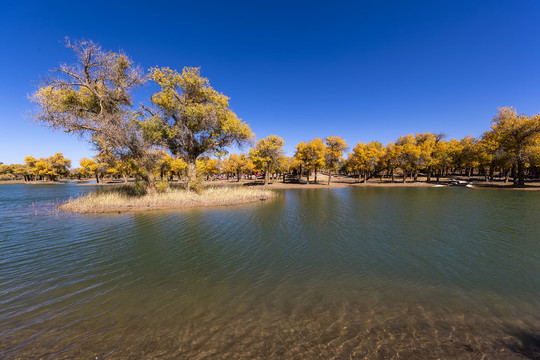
267	153
190	118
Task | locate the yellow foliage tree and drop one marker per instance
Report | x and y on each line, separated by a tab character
409	154
89	167
367	159
192	118
515	134
266	154
211	168
311	155
178	167
335	146
93	98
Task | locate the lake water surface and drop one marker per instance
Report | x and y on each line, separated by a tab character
376	273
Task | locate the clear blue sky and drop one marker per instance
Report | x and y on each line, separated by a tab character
363	70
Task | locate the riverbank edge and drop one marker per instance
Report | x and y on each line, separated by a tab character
474	184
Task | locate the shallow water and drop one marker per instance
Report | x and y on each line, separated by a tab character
324	273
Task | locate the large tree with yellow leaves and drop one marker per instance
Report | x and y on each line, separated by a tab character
93	98
190	118
266	154
515	134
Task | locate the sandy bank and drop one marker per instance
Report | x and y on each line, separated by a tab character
340	182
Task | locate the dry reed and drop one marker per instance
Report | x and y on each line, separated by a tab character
122	199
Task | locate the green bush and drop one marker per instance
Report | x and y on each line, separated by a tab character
162	186
139	188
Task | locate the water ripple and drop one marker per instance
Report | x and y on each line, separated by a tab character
322	273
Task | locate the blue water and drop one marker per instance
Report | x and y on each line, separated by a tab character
318	273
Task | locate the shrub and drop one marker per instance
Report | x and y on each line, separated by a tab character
139	188
162	186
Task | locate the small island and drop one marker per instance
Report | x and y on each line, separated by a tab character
117	199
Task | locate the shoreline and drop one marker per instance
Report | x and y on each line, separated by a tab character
348	182
321	184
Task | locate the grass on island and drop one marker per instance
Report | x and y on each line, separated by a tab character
123	199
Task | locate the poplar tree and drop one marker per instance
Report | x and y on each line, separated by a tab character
335	146
93	99
516	134
190	118
266	154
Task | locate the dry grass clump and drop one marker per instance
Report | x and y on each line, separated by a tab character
123	198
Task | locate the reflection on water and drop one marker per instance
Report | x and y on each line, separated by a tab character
326	273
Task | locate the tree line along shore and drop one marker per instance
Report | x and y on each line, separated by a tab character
425	155
184	129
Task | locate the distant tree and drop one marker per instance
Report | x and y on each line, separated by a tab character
266	154
178	167
311	155
247	165
515	134
390	158
20	171
367	159
5	171
30	163
190	118
469	154
441	158
163	165
211	168
60	165
89	167
335	146
374	158
409	155
43	169
113	165
237	164
426	142
283	166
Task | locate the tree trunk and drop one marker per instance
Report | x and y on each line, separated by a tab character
514	174
329	176
238	176
315	176
97	178
307	177
192	174
491	170
150	183
266	174
393	175
404	176
438	176
428	174
520	171
365	177
416	175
